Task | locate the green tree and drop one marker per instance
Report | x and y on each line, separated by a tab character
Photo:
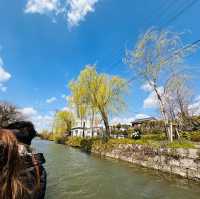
63	122
101	92
77	100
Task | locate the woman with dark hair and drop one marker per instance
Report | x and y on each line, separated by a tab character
20	174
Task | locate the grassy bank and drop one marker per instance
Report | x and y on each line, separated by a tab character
152	140
88	144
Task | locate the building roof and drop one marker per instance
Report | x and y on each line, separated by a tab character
143	120
75	128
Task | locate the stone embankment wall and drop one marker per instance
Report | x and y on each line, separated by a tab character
183	162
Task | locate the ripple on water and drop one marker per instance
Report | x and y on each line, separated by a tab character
76	175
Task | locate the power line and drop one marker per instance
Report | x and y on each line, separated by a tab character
160	14
181	11
122	48
176	52
163	9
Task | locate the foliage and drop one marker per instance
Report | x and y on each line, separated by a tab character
192	136
99	92
86	144
63	122
136	135
156	59
45	135
152	127
77	99
9	114
154	141
74	141
59	139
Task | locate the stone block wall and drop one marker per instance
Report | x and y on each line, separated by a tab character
183	162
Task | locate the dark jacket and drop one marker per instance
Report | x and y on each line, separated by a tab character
34	175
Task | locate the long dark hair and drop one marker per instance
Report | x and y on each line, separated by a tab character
13	185
10	185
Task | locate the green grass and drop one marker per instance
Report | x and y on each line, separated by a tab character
88	144
180	144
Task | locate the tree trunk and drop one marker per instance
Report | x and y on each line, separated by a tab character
106	124
92	122
169	130
177	135
83	129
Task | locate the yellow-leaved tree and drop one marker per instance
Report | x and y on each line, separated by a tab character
101	93
63	122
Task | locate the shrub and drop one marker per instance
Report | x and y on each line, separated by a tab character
45	135
195	137
74	141
192	136
86	144
136	135
59	139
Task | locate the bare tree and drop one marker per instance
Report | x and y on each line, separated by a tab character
8	114
155	59
178	97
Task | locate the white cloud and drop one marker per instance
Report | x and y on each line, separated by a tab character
28	112
51	100
41	6
127	120
195	107
78	9
43	122
4	75
141	116
146	87
151	101
74	11
40	122
3	88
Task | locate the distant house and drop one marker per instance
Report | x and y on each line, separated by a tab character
86	132
137	123
77	132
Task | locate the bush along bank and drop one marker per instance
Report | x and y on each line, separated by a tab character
179	158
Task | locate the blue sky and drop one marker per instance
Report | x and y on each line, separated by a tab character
45	43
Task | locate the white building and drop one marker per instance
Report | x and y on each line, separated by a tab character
87	132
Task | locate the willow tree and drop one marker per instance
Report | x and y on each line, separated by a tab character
102	92
157	55
63	122
77	100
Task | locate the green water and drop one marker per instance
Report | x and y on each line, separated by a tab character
76	175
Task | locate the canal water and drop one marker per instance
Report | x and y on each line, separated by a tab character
76	175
